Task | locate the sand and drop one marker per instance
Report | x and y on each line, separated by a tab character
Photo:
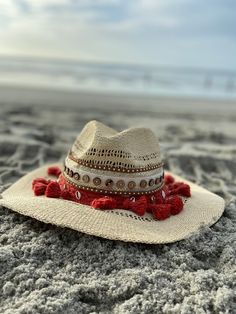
43	96
47	269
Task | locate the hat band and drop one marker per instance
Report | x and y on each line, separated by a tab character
113	183
87	197
111	191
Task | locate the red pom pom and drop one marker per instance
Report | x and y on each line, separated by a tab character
173	188
39	180
54	171
176	204
151	207
139	207
162	211
169	179
184	190
155	199
179	188
104	203
159	199
39	188
126	204
66	195
53	190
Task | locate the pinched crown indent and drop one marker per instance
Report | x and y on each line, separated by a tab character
101	146
102	159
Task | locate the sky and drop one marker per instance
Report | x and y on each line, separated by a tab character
195	33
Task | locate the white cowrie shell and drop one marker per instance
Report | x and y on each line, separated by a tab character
78	195
163	194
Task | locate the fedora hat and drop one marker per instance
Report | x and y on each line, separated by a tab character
112	185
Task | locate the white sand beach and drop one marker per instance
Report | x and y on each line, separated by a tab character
47	269
165	65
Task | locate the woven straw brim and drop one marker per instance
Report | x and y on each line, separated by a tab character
202	208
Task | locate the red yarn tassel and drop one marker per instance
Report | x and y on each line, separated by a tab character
169	179
39	188
104	203
66	195
54	171
138	207
40	180
176	204
126	203
175	188
179	188
162	211
184	190
53	190
158	198
151	207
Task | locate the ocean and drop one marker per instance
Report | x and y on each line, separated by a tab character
119	78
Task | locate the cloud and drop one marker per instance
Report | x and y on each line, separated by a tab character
8	9
155	31
44	32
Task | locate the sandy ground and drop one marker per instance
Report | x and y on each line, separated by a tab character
46	269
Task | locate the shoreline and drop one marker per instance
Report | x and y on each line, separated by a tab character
32	96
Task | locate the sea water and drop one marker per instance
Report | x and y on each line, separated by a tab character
119	78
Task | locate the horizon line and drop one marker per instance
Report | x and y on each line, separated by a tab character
210	70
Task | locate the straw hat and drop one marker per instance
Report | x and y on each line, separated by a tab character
112	185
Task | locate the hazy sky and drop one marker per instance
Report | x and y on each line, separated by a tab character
177	32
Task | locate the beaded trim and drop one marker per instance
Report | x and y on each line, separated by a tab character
116	184
116	169
78	186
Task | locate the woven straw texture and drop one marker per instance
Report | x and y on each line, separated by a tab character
135	147
203	208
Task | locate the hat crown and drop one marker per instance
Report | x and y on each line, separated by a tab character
101	145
